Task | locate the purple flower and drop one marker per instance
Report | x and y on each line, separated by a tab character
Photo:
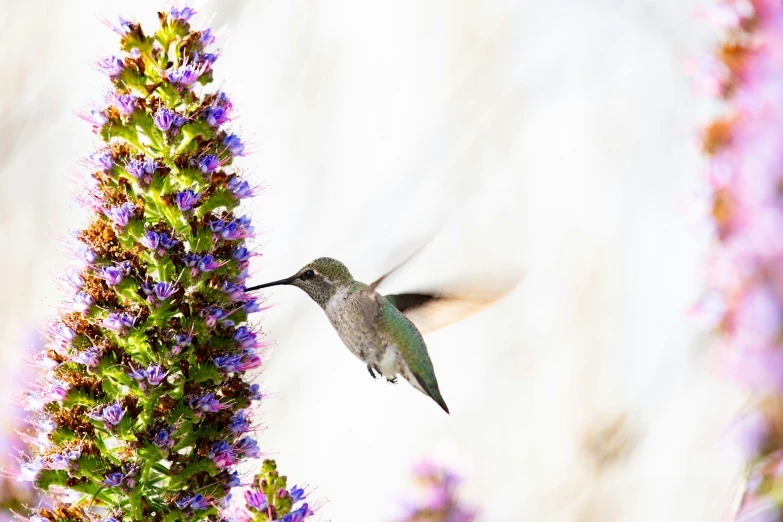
111	274
120	216
84	253
135	168
150	240
163	119
138	374
62	333
248	446
233	292
39	518
239	423
255	392
206	37
166	241
198	502
98	118
234	144
182	13
297	494
216	116
241	189
113	480
150	166
113	322
127	320
228	363
126	103
58	462
163	440
251	363
102	160
207	403
208	263
185	75
185	200
155	375
111	65
304	511
256	499
245	337
88	358
113	414
30	470
164	290
208	163
74	279
241	254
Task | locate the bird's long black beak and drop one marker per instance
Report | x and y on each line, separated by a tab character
286	281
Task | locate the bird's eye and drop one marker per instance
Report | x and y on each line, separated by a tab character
308	274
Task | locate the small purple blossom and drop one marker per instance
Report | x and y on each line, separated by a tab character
111	274
229	363
166	241
255	392
216	116
234	144
206	38
113	322
135	168
250	363
150	240
113	414
138	374
120	216
88	358
163	440
163	119
183	13
297	494
155	375
208	163
84	253
111	65
164	290
113	480
208	263
98	118
240	188
185	75
256	499
239	422
185	200
248	446
102	160
207	402
126	103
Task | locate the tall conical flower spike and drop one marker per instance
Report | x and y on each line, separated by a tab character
143	413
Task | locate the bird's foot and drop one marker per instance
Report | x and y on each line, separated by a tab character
393	380
372	373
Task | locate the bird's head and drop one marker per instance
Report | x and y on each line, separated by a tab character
320	279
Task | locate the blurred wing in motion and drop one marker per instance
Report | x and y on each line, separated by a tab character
430	310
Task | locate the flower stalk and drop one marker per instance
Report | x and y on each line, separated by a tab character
145	407
745	149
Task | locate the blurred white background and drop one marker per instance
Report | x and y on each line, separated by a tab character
557	138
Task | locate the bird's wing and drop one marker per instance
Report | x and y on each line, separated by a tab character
430	310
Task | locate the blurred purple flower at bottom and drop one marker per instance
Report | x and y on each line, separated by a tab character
760	510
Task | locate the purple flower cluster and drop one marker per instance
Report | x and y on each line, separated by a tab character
745	174
268	499
146	365
439	502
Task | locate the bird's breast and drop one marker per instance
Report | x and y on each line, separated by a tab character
359	335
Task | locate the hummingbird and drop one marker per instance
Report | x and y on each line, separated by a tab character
380	330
